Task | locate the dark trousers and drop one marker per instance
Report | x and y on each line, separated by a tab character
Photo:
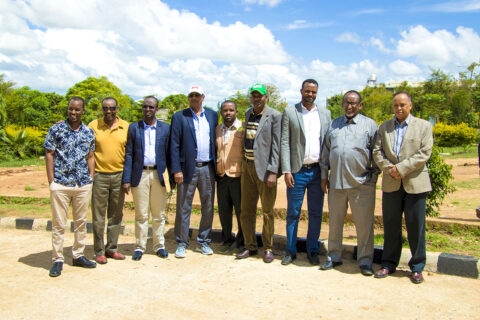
229	196
394	204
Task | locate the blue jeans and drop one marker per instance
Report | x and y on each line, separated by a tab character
309	180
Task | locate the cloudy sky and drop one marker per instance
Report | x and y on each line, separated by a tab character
162	47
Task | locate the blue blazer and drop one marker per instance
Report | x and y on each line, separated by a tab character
133	167
183	142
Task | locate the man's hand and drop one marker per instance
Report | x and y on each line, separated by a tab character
325	185
126	188
394	172
272	180
289	180
178	178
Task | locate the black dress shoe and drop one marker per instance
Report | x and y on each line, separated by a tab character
84	263
383	273
288	259
137	255
56	269
246	253
162	253
366	270
313	258
416	277
329	264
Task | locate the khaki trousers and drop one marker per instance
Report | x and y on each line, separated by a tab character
60	198
149	197
252	189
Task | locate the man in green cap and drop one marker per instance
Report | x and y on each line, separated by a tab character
260	167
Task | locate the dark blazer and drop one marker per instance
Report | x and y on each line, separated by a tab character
133	167
183	142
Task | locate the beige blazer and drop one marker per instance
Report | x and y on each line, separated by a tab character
229	155
414	153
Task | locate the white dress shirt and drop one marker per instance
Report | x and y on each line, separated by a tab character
149	134
313	127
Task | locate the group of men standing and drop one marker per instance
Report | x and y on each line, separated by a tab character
244	160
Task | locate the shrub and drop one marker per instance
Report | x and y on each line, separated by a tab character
21	143
454	135
440	178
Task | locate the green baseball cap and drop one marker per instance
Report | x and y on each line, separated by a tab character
258	87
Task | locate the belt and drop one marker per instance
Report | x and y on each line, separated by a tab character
149	167
310	165
202	164
249	160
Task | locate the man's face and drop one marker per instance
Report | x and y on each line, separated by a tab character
109	109
401	107
258	100
149	108
75	110
309	93
351	105
195	100
228	112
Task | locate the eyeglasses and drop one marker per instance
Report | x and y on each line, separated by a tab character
109	108
196	95
353	104
148	107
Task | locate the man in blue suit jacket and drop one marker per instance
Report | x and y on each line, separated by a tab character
192	154
145	161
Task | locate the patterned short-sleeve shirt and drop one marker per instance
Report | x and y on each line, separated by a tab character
71	149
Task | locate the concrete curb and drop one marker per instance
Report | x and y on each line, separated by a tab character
446	263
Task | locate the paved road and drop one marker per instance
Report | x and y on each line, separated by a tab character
213	287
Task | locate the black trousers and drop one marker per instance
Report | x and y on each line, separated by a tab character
229	197
394	204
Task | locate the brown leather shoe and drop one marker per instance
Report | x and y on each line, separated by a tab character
115	255
101	259
383	273
268	256
246	253
416	277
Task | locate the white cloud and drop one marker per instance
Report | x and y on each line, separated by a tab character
367	11
348	37
375	42
268	3
303	24
404	68
456	6
440	49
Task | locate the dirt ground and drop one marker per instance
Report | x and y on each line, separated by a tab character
459	206
213	287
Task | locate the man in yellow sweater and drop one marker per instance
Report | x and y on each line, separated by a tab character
107	194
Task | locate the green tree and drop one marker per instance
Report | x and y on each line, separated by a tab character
173	103
274	99
334	104
377	103
94	90
441	179
243	103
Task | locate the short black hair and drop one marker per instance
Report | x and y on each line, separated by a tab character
110	98
353	91
228	101
76	98
151	97
310	81
403	92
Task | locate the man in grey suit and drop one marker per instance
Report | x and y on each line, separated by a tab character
347	153
303	131
259	171
403	147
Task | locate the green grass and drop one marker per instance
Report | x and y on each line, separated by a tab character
28	188
459	152
470	184
15	163
451	239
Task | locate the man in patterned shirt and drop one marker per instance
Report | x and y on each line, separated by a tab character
70	163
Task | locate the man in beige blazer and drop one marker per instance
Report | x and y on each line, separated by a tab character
403	146
229	143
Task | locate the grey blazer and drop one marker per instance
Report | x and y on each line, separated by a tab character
266	147
414	154
293	136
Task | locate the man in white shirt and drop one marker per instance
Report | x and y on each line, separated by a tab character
303	130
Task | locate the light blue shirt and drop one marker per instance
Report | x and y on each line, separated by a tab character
202	134
400	130
149	152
